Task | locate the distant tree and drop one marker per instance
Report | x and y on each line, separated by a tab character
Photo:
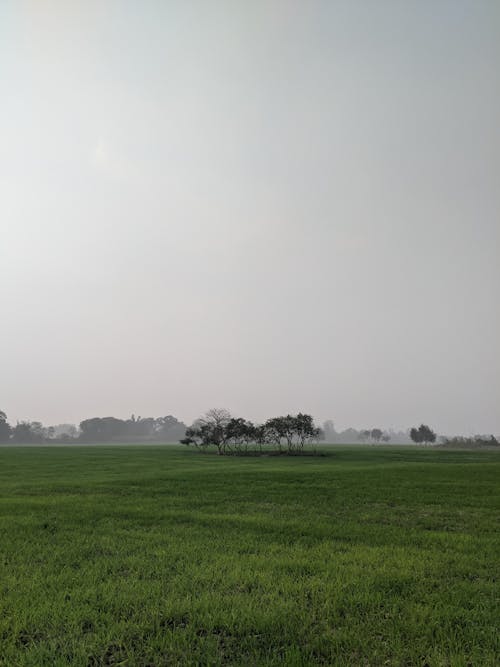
401	437
169	429
5	429
239	433
462	442
64	432
292	431
427	434
209	430
349	436
140	428
102	429
72	431
281	430
260	435
306	430
373	434
365	435
422	434
27	432
217	417
195	437
330	434
415	435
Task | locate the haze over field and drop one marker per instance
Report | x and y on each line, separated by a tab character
268	206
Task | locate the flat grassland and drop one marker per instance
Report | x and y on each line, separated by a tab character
157	555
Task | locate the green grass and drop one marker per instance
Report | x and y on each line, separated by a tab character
157	555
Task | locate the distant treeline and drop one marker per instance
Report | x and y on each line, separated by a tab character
478	441
170	429
352	436
96	429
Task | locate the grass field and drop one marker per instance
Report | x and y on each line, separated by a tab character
154	555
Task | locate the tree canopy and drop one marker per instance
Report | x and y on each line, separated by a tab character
230	435
5	429
423	434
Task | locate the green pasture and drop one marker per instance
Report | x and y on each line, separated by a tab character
158	555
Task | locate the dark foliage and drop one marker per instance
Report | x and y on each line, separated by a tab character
96	429
5	429
478	441
423	434
230	435
143	429
29	432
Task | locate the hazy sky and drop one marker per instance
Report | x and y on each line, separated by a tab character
265	206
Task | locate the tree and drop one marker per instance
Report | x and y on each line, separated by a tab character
211	429
415	435
277	429
260	435
26	432
427	434
330	434
5	429
376	434
102	429
217	417
169	429
306	430
295	431
139	427
422	434
195	437
64	432
239	433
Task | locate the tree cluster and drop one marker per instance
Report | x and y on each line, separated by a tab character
353	436
478	441
235	435
111	429
374	435
25	432
96	429
5	429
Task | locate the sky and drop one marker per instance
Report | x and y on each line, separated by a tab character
270	207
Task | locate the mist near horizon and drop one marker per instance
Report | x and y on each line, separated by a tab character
270	207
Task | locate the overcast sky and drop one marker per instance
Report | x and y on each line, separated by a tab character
264	206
